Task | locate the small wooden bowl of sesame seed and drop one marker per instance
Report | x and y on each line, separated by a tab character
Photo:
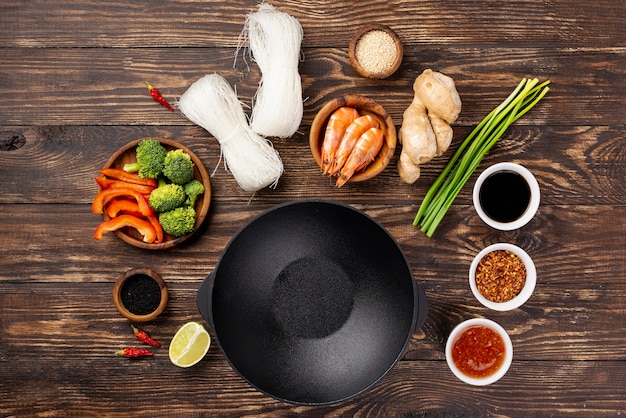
375	51
502	277
140	294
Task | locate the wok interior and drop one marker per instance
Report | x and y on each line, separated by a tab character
313	302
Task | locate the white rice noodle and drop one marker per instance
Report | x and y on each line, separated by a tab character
275	40
211	103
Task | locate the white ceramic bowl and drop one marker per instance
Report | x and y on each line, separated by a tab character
508	351
533	205
523	295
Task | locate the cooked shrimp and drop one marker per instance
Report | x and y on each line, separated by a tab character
335	129
364	152
352	135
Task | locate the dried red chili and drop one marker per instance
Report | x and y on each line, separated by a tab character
158	97
144	337
133	352
500	276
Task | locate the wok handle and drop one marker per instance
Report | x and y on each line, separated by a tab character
422	307
205	298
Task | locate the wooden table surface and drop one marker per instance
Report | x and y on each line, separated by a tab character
72	82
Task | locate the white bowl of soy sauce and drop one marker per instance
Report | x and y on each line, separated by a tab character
506	196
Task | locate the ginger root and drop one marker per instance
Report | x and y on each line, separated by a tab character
426	132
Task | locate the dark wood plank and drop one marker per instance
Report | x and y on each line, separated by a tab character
574	165
113	92
199	24
411	389
58	247
52	342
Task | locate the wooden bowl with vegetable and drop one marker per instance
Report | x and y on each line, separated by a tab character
352	139
134	220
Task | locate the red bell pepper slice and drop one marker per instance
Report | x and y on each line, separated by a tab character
107	183
104	196
122	205
119	174
157	228
145	228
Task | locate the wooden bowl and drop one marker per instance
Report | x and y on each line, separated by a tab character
125	155
119	287
370	72
365	106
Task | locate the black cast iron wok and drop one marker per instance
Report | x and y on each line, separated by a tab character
312	302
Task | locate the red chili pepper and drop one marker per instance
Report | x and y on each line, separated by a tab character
144	337
107	183
158	97
104	196
133	352
145	228
119	174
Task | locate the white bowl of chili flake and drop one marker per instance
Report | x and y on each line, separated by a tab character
479	351
502	277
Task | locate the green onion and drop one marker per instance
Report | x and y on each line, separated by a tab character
468	156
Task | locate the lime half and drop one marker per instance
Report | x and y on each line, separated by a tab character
189	345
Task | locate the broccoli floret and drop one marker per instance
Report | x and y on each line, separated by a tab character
178	167
193	189
167	196
178	221
150	159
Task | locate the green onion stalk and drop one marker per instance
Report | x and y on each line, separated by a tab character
468	156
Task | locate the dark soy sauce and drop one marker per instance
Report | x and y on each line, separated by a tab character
504	196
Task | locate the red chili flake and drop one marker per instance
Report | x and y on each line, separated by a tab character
144	337
133	352
500	276
158	97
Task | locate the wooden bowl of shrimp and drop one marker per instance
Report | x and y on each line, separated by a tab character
352	139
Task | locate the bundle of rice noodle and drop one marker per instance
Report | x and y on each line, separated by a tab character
211	103
275	39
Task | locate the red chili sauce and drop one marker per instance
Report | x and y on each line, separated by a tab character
478	352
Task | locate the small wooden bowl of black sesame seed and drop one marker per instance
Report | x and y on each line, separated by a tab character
375	51
140	294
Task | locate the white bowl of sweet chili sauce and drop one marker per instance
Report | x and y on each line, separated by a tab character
502	277
479	351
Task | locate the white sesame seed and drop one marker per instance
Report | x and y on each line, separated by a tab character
376	51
